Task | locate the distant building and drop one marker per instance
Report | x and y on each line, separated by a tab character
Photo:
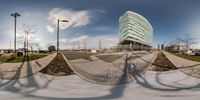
52	48
158	46
176	48
135	32
162	47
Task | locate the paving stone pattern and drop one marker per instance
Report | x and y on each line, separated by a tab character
116	72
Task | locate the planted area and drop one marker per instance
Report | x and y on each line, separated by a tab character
15	59
109	58
57	67
161	63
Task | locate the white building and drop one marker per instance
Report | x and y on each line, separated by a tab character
135	31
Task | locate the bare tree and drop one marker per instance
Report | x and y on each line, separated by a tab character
187	40
28	30
37	45
174	42
21	41
33	45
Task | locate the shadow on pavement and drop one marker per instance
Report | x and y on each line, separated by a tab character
115	92
188	70
24	85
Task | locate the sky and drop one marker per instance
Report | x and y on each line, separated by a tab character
94	20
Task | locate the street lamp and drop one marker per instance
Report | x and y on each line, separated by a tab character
58	34
15	15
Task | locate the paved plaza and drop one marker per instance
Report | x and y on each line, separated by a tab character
170	85
119	71
129	68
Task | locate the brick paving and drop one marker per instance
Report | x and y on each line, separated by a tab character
116	72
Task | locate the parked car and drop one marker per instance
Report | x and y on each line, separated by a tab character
20	53
42	51
1	52
183	52
197	53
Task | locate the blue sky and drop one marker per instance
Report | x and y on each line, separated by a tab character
97	20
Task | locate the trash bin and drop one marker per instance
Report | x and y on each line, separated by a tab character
20	53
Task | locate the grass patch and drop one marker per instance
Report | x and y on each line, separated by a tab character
189	57
35	56
15	59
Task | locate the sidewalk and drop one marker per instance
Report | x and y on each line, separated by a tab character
24	69
189	67
170	85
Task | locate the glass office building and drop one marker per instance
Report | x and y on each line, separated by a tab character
135	31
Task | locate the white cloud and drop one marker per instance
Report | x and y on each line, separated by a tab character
102	11
82	37
102	28
63	40
91	41
75	18
50	28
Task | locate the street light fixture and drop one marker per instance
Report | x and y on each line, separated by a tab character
15	15
58	34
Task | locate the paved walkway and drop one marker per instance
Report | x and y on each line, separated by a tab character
24	69
170	85
187	66
117	72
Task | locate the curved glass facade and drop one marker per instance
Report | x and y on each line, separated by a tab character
135	30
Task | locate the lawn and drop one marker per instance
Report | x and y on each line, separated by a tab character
14	59
189	57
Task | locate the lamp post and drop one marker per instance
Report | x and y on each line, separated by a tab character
15	15
58	34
